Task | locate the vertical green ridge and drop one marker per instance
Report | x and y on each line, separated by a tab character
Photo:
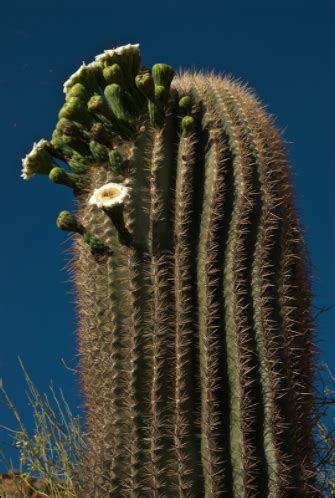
239	260
85	269
161	325
108	348
220	213
294	297
297	329
139	182
162	183
304	350
256	476
207	269
158	431
137	222
94	333
236	441
269	256
257	266
186	459
115	347
135	369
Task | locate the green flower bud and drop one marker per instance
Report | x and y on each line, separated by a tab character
161	94
58	142
63	177
163	74
74	151
78	163
113	74
67	222
116	161
80	91
39	160
187	125
100	133
71	129
116	99
97	105
146	85
97	247
76	144
185	103
74	109
99	151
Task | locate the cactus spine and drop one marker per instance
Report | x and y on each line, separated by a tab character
195	333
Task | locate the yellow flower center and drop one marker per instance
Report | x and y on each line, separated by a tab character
109	193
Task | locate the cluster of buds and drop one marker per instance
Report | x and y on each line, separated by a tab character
103	103
188	122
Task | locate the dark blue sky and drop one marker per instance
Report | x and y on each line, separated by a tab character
283	49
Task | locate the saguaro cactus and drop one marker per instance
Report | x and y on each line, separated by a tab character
195	333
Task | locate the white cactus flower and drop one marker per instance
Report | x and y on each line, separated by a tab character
27	171
124	49
109	195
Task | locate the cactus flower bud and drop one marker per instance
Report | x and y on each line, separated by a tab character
63	177
116	161
161	94
163	74
185	103
113	74
78	90
74	109
67	222
187	125
146	85
116	98
99	151
39	160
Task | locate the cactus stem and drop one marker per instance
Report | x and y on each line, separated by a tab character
77	182
208	271
115	213
188	481
68	223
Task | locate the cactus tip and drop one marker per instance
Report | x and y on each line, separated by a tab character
187	125
185	103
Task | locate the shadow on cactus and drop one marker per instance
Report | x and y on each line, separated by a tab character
195	333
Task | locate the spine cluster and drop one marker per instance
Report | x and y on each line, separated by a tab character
195	333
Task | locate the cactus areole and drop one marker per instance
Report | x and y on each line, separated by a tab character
195	332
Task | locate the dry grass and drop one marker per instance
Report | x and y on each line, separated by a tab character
325	431
53	452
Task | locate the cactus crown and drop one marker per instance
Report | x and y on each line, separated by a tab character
195	333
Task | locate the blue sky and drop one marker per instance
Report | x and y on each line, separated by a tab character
282	49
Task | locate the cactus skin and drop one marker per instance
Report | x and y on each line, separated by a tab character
195	335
